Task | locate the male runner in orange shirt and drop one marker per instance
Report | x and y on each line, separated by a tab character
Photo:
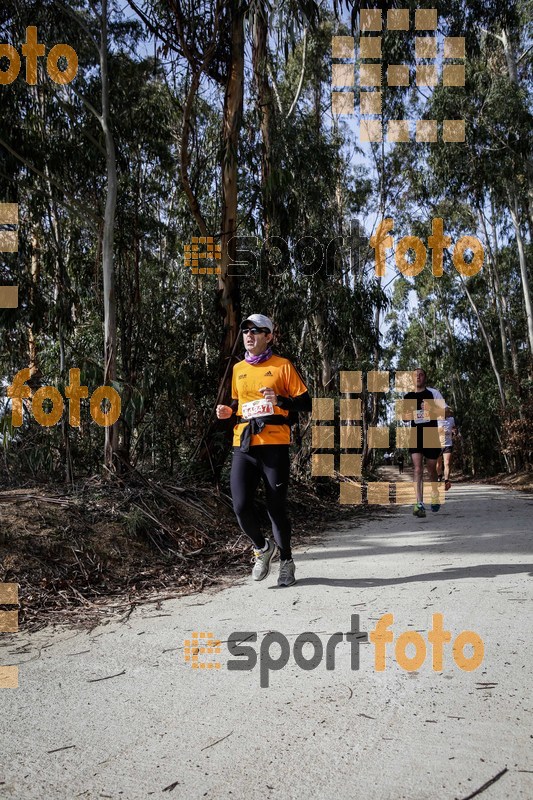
265	388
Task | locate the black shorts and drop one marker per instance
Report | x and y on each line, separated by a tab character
428	452
448	449
432	453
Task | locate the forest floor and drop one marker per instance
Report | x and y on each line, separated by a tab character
523	480
104	547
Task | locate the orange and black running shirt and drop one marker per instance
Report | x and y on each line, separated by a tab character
275	373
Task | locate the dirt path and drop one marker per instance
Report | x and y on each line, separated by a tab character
128	717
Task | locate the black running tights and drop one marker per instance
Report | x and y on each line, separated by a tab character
269	462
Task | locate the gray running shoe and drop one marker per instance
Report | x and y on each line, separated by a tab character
262	561
286	573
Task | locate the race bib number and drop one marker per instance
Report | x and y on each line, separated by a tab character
257	408
421	415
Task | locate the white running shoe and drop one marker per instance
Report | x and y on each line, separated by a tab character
262	561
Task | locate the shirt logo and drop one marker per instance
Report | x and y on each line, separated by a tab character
241	376
267	374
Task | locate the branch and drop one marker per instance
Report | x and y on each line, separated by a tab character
490	33
197	72
82	212
154	29
61	188
184	155
194	58
80	22
300	84
274	86
86	103
70	110
524	54
487	341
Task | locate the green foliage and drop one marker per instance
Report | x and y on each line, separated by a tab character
321	295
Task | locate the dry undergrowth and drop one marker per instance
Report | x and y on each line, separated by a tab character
108	545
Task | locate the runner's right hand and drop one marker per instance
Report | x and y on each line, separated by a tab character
224	412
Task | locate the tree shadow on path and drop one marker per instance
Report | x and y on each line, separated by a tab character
455	573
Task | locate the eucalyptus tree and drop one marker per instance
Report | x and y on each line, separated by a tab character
492	169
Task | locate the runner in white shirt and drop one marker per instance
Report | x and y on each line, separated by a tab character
449	430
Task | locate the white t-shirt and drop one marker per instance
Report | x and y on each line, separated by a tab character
448	425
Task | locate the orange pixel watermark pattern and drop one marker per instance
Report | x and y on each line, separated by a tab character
351	437
9	623
193	648
371	78
192	254
9	219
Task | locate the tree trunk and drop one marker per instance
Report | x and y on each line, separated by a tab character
110	314
264	108
496	290
456	385
228	285
512	70
323	350
35	274
64	312
513	208
503	296
487	343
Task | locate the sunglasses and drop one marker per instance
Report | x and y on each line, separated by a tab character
255	331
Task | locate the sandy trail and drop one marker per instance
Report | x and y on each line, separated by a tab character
345	732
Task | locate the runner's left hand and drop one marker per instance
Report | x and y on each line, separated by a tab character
269	394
